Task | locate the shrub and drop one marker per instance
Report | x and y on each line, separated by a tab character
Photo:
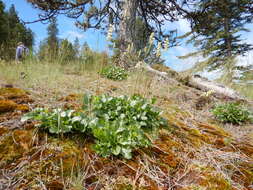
232	113
118	124
114	73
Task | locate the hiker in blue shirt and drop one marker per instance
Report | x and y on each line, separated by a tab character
21	51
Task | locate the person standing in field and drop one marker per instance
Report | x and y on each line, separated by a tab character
21	51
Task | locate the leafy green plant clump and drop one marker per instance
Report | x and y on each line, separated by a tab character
114	73
125	123
232	113
58	121
119	125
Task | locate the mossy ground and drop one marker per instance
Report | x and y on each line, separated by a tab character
194	152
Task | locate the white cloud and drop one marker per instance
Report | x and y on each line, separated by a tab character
245	60
75	34
183	50
183	25
72	35
174	62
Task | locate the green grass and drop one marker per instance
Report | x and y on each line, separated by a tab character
50	80
246	90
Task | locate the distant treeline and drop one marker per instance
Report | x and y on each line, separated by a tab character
12	31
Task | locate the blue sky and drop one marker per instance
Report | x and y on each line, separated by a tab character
96	39
66	26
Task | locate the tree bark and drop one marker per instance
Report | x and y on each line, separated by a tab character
229	72
127	29
127	26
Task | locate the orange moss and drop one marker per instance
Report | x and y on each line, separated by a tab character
23	100
23	108
204	177
3	130
70	98
13	145
72	101
9	151
245	148
7	106
214	182
246	175
171	160
213	129
55	185
10	93
23	138
123	187
66	153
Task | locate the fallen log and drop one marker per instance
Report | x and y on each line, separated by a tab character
198	82
161	75
218	89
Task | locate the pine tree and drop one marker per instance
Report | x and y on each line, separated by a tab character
77	47
28	38
43	50
15	31
3	23
67	52
217	27
52	39
87	55
3	29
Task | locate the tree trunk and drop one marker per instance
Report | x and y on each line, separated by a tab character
229	64
127	27
227	27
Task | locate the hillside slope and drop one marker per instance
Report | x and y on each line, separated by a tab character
193	152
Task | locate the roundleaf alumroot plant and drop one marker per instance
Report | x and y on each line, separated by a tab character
117	138
58	121
119	125
131	110
114	73
124	123
232	113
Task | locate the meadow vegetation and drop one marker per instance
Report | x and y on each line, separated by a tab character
102	132
72	118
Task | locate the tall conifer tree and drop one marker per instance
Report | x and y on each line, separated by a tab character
3	24
216	32
12	31
52	39
77	47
